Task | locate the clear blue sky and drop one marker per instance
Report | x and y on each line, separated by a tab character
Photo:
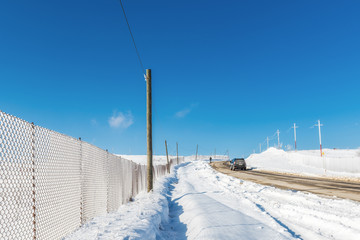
226	74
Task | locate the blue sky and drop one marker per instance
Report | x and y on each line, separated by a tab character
225	74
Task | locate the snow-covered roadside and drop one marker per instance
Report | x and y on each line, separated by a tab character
161	159
139	219
294	214
142	159
197	202
340	163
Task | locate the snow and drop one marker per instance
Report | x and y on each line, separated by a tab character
335	162
197	202
142	159
139	219
160	159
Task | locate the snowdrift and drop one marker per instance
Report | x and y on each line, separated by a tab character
161	159
335	162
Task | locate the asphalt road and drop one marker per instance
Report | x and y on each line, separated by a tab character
317	185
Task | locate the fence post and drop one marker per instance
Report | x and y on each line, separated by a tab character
108	181
33	179
136	178
81	184
167	158
197	147
177	154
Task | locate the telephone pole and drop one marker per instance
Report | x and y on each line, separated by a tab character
260	147
278	135
215	153
197	146
319	125
267	141
177	153
167	158
149	131
295	127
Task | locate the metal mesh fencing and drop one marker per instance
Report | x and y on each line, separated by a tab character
114	198
57	184
50	183
16	171
94	182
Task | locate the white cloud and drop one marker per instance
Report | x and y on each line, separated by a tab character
183	113
186	111
121	120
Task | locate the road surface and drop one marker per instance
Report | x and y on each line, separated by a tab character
317	185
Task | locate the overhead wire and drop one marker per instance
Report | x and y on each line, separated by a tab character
133	39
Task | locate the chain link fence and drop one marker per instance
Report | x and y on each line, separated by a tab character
51	184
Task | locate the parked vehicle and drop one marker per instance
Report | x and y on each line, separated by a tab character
237	163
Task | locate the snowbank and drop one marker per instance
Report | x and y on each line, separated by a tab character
207	157
159	159
139	219
335	162
142	159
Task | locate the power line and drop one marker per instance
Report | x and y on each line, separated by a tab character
132	37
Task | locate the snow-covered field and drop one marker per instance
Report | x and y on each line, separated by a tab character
335	162
159	159
142	159
196	202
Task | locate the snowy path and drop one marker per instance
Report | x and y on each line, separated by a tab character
205	212
209	205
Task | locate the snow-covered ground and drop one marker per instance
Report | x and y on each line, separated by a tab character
335	162
196	202
159	159
142	159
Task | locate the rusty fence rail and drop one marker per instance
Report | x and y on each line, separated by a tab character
51	184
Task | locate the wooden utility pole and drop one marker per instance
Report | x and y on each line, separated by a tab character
149	131
197	146
167	158
177	154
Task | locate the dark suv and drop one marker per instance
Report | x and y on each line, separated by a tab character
237	163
